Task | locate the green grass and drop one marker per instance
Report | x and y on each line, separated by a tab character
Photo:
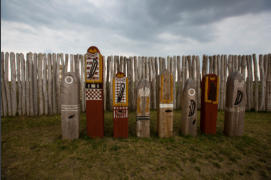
32	148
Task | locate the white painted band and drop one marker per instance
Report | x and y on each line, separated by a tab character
166	105
235	109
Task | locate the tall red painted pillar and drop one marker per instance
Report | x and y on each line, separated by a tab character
120	105
209	103
94	92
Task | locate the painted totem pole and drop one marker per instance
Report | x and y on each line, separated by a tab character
120	105
189	108
94	92
143	109
209	103
235	105
70	106
165	105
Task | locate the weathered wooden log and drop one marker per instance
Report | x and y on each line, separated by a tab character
198	78
35	85
256	87
50	83
121	63
189	66
153	82
23	84
45	84
83	100
209	103
19	84
3	90
58	82
13	95
40	101
204	65
72	63
249	82
108	71
179	83
165	105
130	83
30	79
218	60
143	109
54	103
104	83
189	108
136	80
239	63
7	85
222	82
263	81
66	63
268	84
184	73
70	107
27	84
230	64
173	70
235	105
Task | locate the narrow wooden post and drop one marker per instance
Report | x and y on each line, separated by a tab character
210	64
263	81
58	82
165	105
225	77
235	105
249	76
111	80
120	105
198	81
7	84
173	69
130	83
268	84
3	91
179	83
19	83
153	81
30	71
183	72
35	85
70	107
204	65
239	63
50	103
45	83
104	83
143	109
13	85
54	103
41	102
66	63
23	84
256	89
27	90
83	100
108	72
71	63
222	82
189	108
218	62
136	80
230	64
94	92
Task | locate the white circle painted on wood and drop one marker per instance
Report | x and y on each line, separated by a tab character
68	79
191	92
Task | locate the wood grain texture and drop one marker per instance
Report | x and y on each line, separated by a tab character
7	85
19	84
40	100
45	84
13	95
3	90
23	84
35	85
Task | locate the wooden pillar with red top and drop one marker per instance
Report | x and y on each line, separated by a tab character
120	105
209	103
94	92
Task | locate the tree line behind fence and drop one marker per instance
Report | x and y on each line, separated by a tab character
31	84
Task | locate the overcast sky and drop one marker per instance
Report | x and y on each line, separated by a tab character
137	27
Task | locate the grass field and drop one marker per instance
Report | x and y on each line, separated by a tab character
32	148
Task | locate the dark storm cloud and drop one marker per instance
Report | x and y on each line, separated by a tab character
140	21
